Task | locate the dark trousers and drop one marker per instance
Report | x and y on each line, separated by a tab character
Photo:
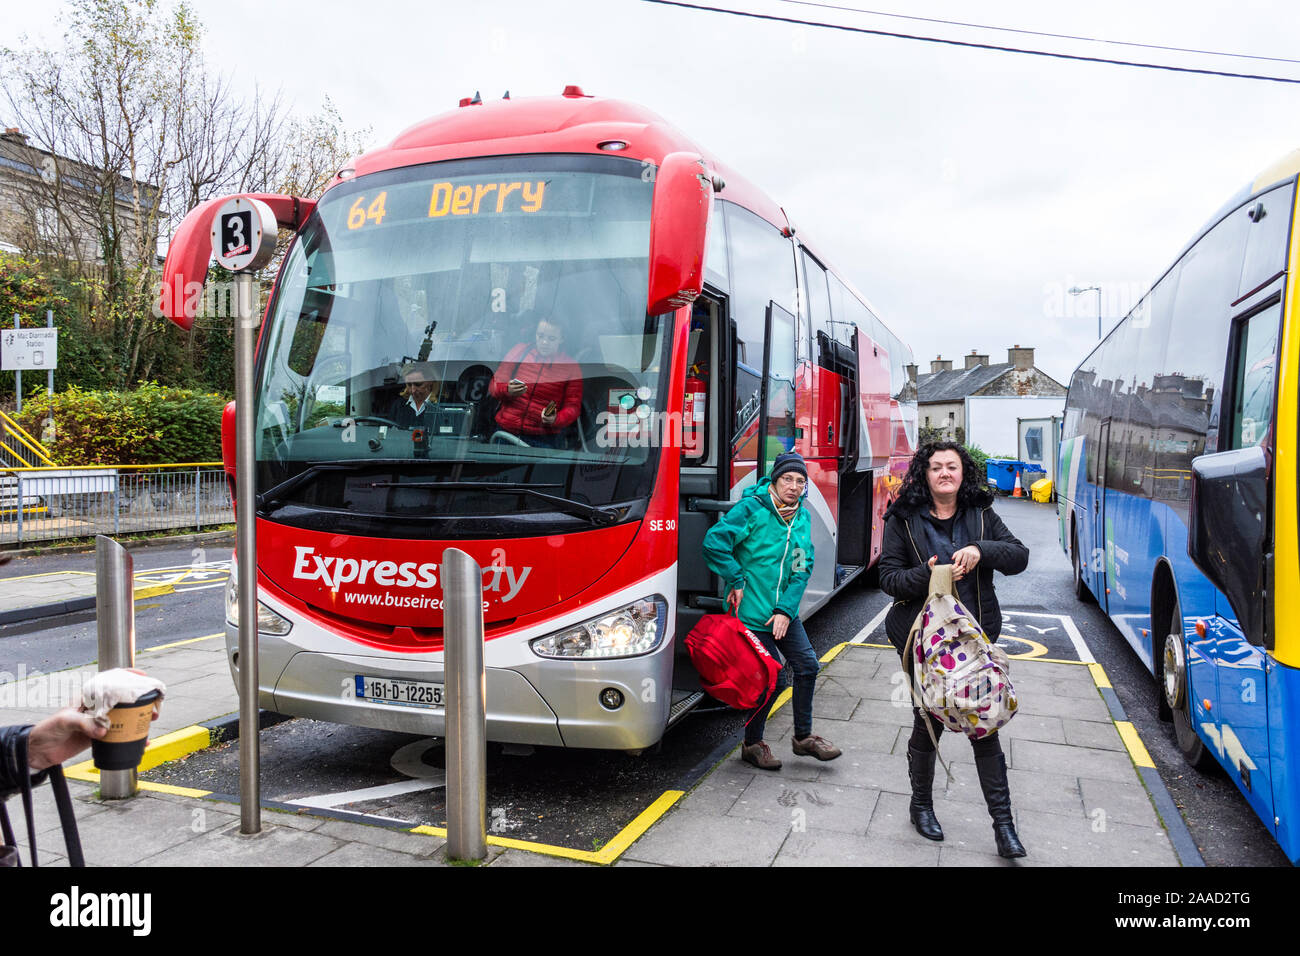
799	655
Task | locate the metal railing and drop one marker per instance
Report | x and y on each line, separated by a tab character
80	501
18	449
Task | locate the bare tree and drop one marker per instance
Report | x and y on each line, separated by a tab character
131	131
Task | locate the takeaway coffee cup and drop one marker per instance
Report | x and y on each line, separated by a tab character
128	734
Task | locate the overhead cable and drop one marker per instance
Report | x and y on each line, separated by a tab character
1039	33
975	46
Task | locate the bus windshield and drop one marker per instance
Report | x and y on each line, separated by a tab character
478	322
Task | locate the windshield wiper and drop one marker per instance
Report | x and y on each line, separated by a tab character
310	473
594	514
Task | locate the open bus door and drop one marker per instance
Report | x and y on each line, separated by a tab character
705	478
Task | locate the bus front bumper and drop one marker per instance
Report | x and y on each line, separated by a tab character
540	702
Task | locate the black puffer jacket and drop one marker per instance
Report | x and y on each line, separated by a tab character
905	577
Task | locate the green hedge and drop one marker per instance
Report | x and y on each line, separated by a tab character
981	458
152	425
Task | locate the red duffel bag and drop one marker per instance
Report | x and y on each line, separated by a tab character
733	664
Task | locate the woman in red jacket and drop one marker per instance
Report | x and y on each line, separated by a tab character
539	388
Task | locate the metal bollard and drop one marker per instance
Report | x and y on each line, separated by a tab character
250	747
115	619
462	590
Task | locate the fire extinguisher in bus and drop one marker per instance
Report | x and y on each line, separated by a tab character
693	414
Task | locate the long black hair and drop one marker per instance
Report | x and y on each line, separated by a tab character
914	496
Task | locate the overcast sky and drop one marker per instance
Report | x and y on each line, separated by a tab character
962	191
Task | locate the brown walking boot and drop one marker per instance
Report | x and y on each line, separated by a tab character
814	746
760	755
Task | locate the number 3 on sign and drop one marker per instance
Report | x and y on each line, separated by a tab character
357	216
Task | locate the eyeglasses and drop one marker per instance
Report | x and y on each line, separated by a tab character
548	338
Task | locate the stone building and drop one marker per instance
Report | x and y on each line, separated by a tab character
49	203
941	395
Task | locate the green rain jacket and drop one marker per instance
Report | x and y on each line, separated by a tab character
752	548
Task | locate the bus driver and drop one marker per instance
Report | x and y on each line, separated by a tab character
407	410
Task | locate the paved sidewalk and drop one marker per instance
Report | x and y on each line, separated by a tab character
1076	793
1079	799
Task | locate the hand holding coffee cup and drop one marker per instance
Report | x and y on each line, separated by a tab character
126	702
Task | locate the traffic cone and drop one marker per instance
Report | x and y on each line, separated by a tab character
1017	492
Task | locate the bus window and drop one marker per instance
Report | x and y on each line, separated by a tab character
1207	284
1253	378
715	257
1269	218
847	313
762	271
780	385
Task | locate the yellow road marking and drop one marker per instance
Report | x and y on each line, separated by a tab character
612	850
158	751
1136	749
153	590
1099	675
46	574
177	744
607	854
168	788
781	699
87	773
833	653
1036	650
192	640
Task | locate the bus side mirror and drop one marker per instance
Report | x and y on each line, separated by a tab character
683	199
1226	530
180	294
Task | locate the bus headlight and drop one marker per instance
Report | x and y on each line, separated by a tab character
627	632
268	622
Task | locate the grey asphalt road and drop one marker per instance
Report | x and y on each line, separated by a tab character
195	608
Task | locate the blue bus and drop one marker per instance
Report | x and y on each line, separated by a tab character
1178	488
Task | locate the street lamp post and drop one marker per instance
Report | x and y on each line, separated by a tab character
1077	290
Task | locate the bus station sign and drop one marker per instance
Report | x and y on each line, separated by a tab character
243	234
23	350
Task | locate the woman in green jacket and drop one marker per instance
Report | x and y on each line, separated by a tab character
762	549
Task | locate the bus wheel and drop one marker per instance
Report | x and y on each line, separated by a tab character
1080	586
1174	687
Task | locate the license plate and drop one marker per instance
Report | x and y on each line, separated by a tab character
408	693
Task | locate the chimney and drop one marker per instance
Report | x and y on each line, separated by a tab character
976	359
1022	359
13	134
911	372
940	364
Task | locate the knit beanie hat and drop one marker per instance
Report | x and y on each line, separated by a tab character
790	461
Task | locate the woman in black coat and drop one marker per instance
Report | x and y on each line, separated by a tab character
944	515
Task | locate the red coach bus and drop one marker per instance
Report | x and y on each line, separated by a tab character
556	334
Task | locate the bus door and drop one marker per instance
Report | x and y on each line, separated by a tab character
1234	539
705	452
1101	539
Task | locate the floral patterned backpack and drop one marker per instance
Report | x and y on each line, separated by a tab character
959	675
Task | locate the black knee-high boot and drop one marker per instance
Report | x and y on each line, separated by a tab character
992	770
920	770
